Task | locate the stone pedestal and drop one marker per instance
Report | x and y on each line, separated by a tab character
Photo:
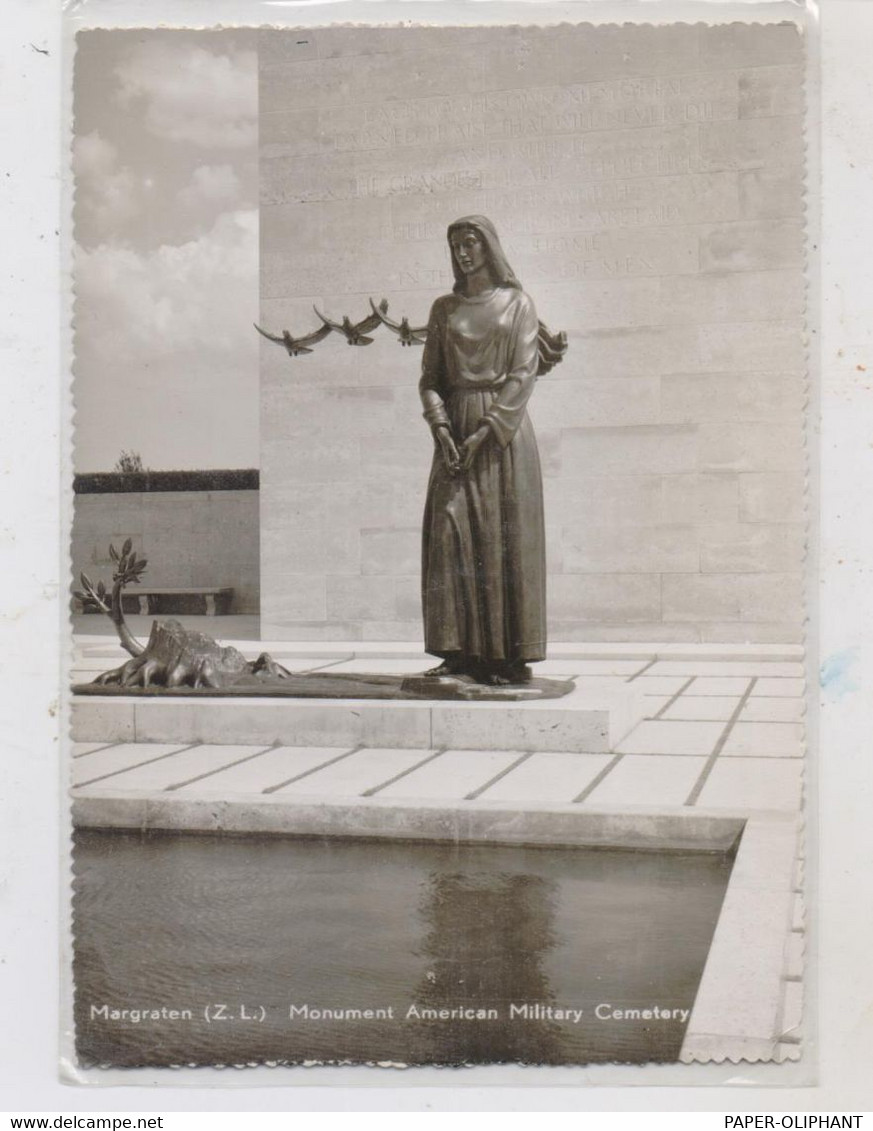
586	720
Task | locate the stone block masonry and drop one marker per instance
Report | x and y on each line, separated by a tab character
190	538
647	183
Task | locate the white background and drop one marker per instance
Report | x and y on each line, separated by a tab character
35	407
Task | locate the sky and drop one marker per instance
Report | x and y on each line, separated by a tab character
166	249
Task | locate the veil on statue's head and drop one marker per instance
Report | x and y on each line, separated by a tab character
501	272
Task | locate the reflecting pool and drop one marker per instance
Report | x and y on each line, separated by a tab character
229	950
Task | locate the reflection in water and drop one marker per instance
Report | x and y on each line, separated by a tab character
349	950
484	949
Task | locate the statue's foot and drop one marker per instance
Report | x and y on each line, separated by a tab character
493	674
447	667
507	675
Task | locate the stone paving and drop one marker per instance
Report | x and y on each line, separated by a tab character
722	734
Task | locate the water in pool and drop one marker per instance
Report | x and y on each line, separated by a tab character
224	950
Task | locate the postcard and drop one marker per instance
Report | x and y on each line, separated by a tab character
438	545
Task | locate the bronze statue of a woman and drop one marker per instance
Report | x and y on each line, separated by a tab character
484	561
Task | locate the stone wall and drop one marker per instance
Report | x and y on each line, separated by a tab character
647	185
190	538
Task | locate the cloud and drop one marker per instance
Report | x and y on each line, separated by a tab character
198	297
107	195
212	185
166	355
189	94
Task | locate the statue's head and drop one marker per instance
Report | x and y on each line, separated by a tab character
473	242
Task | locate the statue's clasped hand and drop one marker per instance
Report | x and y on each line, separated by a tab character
451	458
471	446
460	457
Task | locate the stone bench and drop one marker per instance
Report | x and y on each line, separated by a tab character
216	599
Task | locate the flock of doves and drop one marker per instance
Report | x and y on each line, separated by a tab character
356	334
552	347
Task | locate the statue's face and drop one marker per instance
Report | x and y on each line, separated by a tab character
468	250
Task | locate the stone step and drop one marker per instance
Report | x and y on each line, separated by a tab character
479	821
591	720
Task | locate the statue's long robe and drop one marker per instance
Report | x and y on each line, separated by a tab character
484	560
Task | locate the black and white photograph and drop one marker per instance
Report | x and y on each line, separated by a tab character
439	543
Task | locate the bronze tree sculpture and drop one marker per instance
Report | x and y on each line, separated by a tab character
174	656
